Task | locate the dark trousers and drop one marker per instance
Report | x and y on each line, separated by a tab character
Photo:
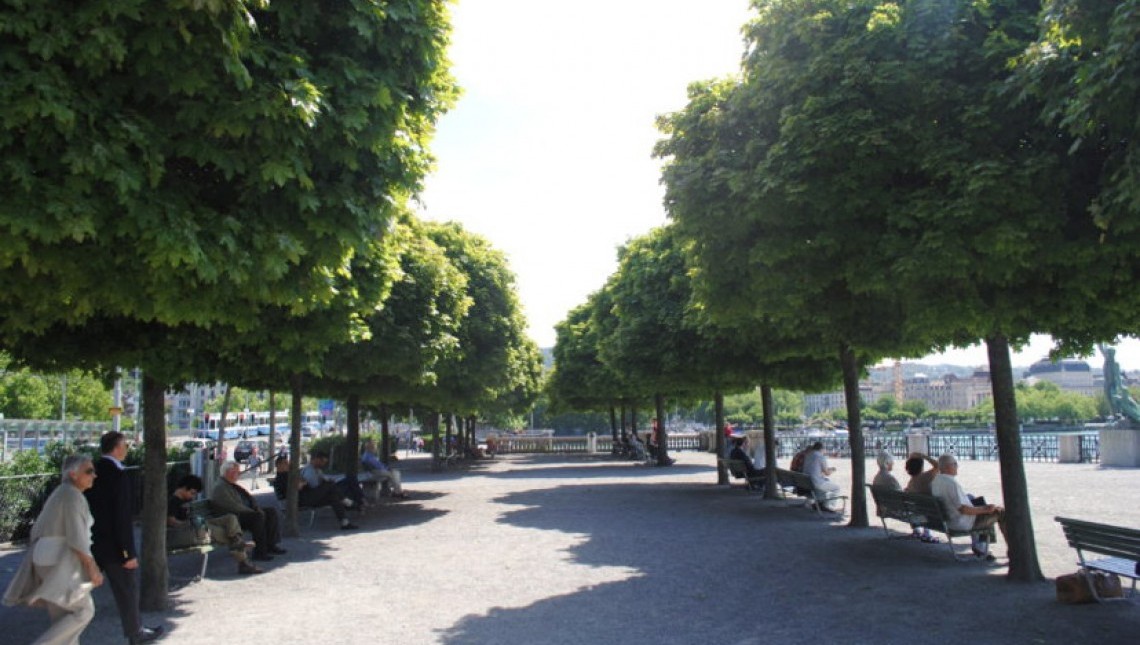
327	494
262	524
125	587
349	487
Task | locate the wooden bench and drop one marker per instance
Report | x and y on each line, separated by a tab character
924	511
199	511
800	484
736	468
1120	544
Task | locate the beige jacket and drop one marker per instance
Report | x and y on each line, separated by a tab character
64	583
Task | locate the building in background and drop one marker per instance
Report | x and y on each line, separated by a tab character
1070	374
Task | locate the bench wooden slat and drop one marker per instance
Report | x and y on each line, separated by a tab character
1119	566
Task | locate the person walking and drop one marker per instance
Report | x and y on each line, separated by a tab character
113	536
58	570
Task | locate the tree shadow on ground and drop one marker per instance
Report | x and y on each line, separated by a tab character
706	564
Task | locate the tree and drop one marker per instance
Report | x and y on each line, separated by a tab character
219	163
1085	69
779	229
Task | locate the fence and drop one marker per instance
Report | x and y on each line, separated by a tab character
1039	447
580	444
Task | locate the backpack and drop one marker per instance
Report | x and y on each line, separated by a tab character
797	464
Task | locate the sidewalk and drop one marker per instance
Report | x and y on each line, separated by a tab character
579	549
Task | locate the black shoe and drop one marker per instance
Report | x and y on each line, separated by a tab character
261	557
348	526
276	550
147	634
245	569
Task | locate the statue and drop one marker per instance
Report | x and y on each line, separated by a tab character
1119	399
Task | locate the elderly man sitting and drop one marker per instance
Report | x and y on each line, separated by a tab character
964	511
377	471
229	497
224	529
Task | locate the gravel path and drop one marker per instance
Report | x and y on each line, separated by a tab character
581	549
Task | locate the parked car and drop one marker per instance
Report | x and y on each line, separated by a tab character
244	449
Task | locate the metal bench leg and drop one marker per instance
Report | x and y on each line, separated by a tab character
205	561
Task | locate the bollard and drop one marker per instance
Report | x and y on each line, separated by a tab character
1119	447
917	443
1069	449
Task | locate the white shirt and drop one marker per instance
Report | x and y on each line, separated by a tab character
815	466
948	491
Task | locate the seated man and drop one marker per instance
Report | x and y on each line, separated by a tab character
318	491
378	471
816	467
229	497
224	529
739	452
637	448
961	511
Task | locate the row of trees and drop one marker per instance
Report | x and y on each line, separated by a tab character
219	191
886	179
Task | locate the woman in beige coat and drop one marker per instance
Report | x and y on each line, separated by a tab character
58	571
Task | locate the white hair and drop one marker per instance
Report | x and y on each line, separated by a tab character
228	464
885	459
946	461
72	463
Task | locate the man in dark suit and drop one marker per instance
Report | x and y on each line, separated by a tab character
113	538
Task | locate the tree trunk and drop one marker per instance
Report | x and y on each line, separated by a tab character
154	574
613	424
718	437
1023	565
662	435
772	484
352	436
292	528
431	420
221	449
385	434
624	435
633	419
272	429
854	437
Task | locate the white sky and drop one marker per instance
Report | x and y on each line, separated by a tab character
548	152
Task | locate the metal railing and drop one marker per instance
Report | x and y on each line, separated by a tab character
580	444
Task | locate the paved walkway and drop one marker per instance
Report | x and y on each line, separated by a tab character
578	549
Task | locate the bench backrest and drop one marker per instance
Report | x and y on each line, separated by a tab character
1101	538
908	507
736	467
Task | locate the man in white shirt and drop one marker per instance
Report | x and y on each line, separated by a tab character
816	467
962	514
